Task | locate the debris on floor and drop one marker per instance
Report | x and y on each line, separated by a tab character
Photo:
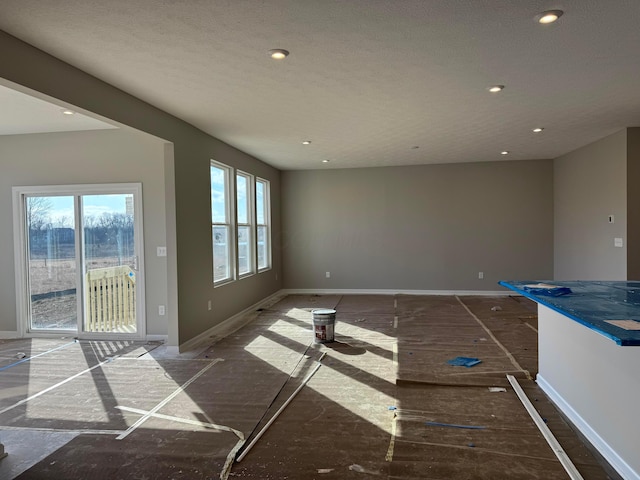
360	469
365	409
464	361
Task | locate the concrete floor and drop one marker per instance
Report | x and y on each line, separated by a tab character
383	404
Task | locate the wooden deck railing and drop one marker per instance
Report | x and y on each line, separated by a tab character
111	299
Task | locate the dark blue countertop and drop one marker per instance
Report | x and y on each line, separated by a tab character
591	304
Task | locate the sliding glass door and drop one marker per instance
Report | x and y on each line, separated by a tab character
81	264
52	276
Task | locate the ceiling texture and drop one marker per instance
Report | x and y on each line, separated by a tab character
21	113
368	82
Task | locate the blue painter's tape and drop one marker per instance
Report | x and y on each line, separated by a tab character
464	361
592	304
553	291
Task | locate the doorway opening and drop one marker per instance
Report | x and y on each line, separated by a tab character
79	264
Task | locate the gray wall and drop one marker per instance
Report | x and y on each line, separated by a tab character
589	185
192	286
431	227
103	156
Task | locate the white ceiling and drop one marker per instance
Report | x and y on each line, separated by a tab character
366	80
21	113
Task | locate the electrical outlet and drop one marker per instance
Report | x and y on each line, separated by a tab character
480	275
328	274
209	305
617	242
161	251
161	310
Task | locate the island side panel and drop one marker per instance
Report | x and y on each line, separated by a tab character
596	383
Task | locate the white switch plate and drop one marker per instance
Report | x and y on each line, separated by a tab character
617	242
162	251
328	274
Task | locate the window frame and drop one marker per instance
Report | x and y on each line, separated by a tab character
250	225
267	223
229	224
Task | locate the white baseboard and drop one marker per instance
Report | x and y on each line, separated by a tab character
231	324
590	434
239	320
157	338
313	291
9	334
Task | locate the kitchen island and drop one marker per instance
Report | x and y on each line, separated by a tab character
589	361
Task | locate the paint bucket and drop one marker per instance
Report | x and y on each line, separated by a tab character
324	321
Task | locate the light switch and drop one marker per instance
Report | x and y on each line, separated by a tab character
617	242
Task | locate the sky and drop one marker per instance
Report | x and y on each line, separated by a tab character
218	206
93	205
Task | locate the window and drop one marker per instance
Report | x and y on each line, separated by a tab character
263	219
223	264
79	259
246	213
241	242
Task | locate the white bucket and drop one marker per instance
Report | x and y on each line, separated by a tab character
324	321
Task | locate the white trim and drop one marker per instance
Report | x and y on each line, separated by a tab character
266	201
562	456
230	215
230	325
337	291
19	256
157	338
250	223
59	334
170	350
590	434
9	334
239	320
20	253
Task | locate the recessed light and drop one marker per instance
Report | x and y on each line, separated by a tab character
504	152
307	142
549	16
66	111
325	161
278	53
496	88
537	130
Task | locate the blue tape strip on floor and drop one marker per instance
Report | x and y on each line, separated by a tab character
26	359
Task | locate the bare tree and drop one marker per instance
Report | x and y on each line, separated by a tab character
38	209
